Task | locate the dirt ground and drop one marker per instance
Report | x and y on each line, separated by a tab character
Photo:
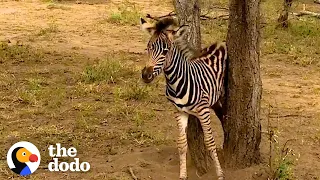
47	51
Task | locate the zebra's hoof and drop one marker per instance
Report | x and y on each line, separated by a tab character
183	178
221	178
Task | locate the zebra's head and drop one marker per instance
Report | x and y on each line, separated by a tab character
163	34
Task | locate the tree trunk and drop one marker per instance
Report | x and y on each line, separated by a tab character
242	128
197	149
188	13
283	18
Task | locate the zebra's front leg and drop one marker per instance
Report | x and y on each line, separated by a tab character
182	120
203	115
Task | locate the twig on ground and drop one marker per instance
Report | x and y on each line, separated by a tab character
302	13
155	109
132	174
224	17
288	115
43	167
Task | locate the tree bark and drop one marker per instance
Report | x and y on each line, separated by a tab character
197	149
242	128
283	18
188	13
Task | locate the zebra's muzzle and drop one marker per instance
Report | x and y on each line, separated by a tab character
147	74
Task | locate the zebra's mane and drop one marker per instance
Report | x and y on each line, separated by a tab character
189	52
166	23
169	23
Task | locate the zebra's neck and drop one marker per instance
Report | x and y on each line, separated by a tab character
176	61
185	49
177	70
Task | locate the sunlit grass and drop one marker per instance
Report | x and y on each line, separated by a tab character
128	14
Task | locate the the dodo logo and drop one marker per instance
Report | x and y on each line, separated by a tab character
23	158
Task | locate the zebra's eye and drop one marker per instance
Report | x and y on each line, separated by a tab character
24	154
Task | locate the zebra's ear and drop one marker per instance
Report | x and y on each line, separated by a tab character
147	27
181	31
178	33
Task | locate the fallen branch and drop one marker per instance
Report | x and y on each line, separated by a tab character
305	12
171	14
202	17
288	115
132	174
313	14
151	17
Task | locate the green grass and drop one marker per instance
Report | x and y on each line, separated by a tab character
111	70
87	125
53	5
284	170
213	31
283	163
36	94
52	28
133	91
127	14
31	93
298	43
18	53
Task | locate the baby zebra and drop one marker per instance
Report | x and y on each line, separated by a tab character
194	82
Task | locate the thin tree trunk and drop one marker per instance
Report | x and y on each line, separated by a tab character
197	149
283	18
242	128
188	13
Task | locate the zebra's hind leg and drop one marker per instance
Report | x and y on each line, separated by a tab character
204	116
182	120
